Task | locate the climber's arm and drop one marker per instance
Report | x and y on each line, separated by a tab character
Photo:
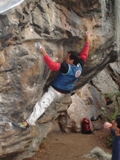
54	66
84	53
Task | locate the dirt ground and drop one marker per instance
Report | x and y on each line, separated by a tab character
71	146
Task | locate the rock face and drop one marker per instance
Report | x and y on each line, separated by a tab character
60	26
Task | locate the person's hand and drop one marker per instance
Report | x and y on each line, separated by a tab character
43	51
41	48
107	125
87	34
38	45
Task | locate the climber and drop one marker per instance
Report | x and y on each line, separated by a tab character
69	72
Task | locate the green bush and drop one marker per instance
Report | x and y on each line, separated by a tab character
110	140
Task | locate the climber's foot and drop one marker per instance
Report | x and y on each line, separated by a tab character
22	125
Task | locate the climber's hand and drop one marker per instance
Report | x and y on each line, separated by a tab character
87	34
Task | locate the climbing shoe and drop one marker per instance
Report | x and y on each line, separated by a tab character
20	125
